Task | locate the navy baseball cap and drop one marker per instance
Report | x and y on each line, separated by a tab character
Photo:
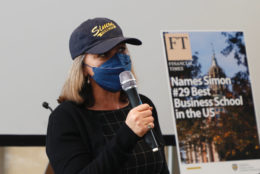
97	36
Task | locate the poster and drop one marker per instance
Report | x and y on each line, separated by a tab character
215	121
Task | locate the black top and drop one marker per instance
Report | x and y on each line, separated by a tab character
98	142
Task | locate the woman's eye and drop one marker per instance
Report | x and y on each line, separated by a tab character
103	55
122	49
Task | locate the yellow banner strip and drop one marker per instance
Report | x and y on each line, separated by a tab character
192	168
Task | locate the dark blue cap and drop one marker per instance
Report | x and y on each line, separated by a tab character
97	36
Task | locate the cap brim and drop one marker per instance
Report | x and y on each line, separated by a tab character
108	44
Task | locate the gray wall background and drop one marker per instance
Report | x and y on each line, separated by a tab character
35	57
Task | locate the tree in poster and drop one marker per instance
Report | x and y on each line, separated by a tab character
239	138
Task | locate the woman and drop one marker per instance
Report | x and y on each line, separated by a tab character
94	129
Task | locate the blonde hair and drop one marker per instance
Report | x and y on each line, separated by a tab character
74	83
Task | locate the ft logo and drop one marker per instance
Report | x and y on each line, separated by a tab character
177	46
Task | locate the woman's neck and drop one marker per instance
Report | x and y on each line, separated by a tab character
106	100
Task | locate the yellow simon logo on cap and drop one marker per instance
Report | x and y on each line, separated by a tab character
100	30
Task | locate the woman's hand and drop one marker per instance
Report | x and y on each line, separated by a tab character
140	119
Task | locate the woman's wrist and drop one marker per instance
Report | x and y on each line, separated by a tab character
127	138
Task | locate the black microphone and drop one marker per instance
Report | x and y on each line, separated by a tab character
46	106
128	84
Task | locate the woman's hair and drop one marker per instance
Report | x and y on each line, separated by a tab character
74	83
77	89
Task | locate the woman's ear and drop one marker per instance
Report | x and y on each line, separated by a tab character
87	71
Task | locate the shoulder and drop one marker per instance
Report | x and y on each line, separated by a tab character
145	99
149	101
68	106
64	112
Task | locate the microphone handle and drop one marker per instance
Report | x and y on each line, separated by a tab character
135	100
133	97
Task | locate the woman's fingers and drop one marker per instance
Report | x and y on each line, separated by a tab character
140	119
148	120
146	113
143	107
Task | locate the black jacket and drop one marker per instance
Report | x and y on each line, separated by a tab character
75	143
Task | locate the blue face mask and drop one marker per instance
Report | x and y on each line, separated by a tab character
107	75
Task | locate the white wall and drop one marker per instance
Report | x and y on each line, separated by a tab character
35	58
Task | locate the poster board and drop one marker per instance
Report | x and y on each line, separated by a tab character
215	120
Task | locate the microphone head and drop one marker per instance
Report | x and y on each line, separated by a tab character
127	80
